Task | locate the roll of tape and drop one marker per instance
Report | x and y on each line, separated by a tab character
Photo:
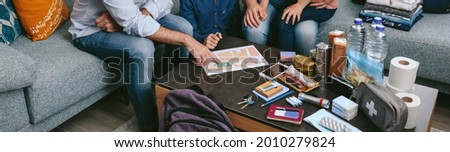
412	102
402	74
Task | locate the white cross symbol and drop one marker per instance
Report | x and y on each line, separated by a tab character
371	107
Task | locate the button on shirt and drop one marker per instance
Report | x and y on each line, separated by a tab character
125	12
208	16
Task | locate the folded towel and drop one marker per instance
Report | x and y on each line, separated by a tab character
407	5
382	8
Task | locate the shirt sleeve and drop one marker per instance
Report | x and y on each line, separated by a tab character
158	8
128	16
187	12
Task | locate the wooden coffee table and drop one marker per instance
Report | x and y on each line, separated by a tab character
228	88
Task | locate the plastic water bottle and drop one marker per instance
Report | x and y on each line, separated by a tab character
378	45
355	37
370	32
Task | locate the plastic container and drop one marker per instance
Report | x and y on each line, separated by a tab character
377	45
370	31
355	36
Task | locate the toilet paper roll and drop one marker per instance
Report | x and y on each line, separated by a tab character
396	90
402	74
412	102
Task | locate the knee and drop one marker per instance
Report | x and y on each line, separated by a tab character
307	30
186	28
285	27
142	49
182	25
257	35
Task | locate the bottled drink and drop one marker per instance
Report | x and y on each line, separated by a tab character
370	32
355	37
378	45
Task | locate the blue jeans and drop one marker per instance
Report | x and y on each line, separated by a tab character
137	54
261	33
302	36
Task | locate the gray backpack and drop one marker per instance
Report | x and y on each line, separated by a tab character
185	110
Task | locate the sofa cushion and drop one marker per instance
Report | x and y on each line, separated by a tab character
426	42
10	27
13	111
17	70
40	18
65	75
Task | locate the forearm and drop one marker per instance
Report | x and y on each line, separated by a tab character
251	2
264	3
127	15
167	36
303	3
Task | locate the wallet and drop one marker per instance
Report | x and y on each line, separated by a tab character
387	111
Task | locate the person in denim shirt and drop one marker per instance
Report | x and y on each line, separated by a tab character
298	21
211	18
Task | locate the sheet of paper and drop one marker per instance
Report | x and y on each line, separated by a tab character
235	59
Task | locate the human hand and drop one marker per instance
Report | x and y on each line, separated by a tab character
145	12
263	12
201	53
107	23
253	15
212	40
328	4
292	13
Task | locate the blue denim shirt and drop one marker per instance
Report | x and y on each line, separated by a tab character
209	16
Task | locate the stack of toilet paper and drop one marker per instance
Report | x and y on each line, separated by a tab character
344	108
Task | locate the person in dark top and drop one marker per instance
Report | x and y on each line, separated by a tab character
297	20
211	19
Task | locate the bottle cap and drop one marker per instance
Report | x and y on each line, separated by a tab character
380	28
377	20
322	46
358	21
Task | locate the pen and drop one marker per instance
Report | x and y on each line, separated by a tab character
277	98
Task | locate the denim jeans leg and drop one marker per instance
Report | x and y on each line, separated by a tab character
137	55
261	33
179	24
305	36
286	35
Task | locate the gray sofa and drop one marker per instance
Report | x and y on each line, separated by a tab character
428	42
42	84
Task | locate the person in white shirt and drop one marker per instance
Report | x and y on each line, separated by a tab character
127	29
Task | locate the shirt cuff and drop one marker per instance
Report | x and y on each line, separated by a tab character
147	26
152	8
154	27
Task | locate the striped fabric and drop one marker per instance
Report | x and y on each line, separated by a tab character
9	23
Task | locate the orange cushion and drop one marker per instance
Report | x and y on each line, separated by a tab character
40	18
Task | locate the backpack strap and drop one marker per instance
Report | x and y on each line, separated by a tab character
199	90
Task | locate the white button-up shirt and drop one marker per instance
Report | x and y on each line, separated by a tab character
126	13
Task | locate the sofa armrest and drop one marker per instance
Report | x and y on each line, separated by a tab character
17	70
